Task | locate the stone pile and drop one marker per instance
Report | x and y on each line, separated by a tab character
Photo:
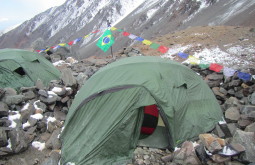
33	117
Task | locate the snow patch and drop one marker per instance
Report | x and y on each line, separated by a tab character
239	50
25	107
37	116
61	62
25	125
50	119
9	144
36	107
229	58
151	12
56	89
52	93
174	50
202	6
12	118
38	145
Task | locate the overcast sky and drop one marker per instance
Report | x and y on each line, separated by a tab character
13	12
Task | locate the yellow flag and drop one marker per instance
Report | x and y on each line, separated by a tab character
147	42
113	28
193	60
86	36
47	49
62	44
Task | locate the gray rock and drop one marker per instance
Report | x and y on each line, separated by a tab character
10	92
69	91
231	92
4	151
220	159
91	70
42	126
252	115
247	109
42	92
2	93
4	122
223	91
250	128
25	89
18	141
30	135
59	91
65	99
54	142
68	78
26	111
53	159
52	106
215	76
29	95
51	99
186	155
231	102
212	84
32	121
247	140
232	113
239	94
216	91
40	105
244	121
232	128
235	83
81	78
3	138
55	57
59	115
3	109
218	131
252	98
39	84
131	54
14	99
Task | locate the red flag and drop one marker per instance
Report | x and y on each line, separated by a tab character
126	33
215	67
163	49
70	43
38	51
96	31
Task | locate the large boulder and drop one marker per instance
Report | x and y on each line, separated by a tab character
246	139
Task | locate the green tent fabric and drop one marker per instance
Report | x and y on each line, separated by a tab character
21	68
103	124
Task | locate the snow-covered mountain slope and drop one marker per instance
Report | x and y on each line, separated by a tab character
146	18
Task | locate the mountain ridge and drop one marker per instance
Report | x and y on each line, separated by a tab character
144	18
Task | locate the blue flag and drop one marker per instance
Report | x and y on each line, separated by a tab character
244	76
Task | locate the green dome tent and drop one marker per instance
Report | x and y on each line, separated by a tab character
21	68
103	124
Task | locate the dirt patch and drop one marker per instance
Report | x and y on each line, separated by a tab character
198	38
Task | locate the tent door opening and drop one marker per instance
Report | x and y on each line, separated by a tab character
153	130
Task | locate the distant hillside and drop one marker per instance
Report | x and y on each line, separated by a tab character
145	18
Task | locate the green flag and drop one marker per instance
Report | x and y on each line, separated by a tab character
106	41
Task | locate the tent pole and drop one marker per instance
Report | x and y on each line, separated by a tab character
111	52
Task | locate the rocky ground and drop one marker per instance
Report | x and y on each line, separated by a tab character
31	119
223	44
